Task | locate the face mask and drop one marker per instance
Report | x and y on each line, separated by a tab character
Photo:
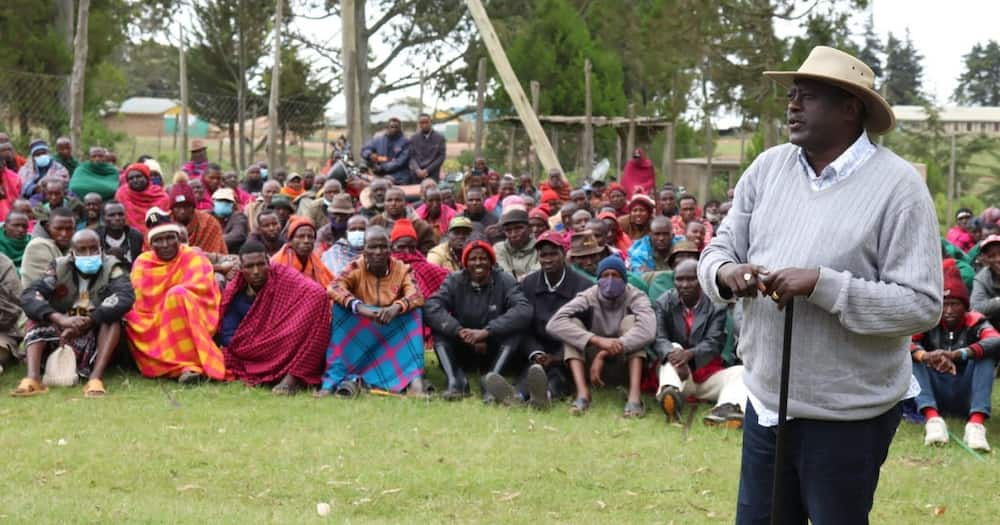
43	161
222	208
337	227
356	239
263	173
87	264
611	287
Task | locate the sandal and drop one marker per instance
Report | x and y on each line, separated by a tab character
634	410
29	387
579	406
94	389
322	392
189	377
348	388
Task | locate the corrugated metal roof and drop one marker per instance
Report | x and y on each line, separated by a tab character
147	106
949	113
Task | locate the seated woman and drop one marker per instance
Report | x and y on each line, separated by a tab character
298	252
376	338
477	317
275	324
176	308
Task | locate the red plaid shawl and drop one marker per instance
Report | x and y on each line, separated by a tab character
428	276
285	332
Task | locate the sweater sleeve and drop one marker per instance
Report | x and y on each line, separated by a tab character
644	331
562	327
907	298
982	300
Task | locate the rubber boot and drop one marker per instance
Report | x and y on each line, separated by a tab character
458	384
505	355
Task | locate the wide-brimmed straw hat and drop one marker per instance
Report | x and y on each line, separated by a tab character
836	67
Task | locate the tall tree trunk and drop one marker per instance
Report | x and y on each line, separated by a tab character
272	106
241	82
284	151
232	147
364	76
76	86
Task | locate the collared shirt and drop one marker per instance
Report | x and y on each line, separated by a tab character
842	167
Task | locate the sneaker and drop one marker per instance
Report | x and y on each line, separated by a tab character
672	403
936	431
537	383
975	437
498	390
726	415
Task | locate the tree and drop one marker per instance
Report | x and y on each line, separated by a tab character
872	50
150	69
903	72
979	84
304	96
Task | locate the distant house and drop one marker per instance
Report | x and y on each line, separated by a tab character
958	120
152	117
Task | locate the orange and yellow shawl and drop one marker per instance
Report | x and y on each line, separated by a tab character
313	269
176	311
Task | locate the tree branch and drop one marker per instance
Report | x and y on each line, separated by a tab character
397	9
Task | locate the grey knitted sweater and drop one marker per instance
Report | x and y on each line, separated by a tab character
874	238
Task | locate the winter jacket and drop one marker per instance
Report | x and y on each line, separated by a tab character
985	296
708	330
397	151
499	306
110	289
975	333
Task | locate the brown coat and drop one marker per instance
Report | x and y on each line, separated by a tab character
358	283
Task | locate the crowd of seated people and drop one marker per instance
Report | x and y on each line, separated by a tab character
523	292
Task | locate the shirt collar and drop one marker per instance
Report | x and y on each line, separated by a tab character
844	165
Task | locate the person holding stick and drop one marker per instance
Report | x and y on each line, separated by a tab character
847	230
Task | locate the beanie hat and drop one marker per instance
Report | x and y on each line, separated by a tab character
549	196
140	167
180	193
612	262
538	213
478	244
614	186
402	228
954	287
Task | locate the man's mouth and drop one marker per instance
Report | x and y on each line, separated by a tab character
795	124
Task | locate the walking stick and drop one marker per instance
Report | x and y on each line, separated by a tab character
779	449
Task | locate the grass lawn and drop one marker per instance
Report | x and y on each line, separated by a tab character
155	452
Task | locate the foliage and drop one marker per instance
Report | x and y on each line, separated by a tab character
979	84
96	133
903	72
872	51
150	68
303	97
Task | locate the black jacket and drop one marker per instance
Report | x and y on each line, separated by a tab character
976	334
500	307
111	291
544	305
131	248
427	153
708	330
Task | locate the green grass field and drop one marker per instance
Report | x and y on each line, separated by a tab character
155	452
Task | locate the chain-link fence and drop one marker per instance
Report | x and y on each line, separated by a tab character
32	104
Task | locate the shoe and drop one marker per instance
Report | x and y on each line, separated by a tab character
458	383
936	431
634	410
672	403
975	437
537	383
726	415
497	389
579	407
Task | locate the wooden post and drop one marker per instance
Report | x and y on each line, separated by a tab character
76	83
253	133
555	140
703	184
326	141
618	155
588	125
349	56
272	104
511	139
528	118
667	164
183	148
480	106
536	99
630	141
222	147
951	180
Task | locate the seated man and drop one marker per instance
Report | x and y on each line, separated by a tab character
10	310
517	254
389	153
695	232
51	240
275	324
231	219
428	277
80	302
652	252
376	338
262	202
396	209
14	237
299	252
52	195
986	285
690	336
317	207
954	363
117	237
448	254
347	248
609	347
93	204
640	211
268	232
176	310
477	317
586	252
547	291
203	231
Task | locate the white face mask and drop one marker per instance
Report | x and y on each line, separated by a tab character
356	238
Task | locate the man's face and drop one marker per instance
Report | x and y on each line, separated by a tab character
668	202
199	189
114	217
695	233
16	226
268	226
457	238
254	267
199	155
578	197
538	226
479	265
394	129
356	225
447	197
963	222
506	189
686	281
86	245
377	252
425	124
253	174
953	312
480	165
617	199
550	258
303	241
604	234
295	184
662	236
589	262
96	155
639	215
165	246
183	213
212	179
54	194
136	180
517	234
566	215
816	113
109	156
92	203
268	191
474	203
308	177
433	202
526	181
283	214
556	180
991	256
580	221
6	152
688	210
61	230
230	179
395	204
64	149
330	191
379	189
712	208
405	245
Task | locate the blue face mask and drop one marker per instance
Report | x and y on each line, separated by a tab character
263	173
43	161
356	239
222	208
87	264
611	287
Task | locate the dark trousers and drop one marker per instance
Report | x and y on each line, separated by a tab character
559	383
831	469
470	361
967	391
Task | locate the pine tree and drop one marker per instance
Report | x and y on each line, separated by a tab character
979	84
872	50
903	72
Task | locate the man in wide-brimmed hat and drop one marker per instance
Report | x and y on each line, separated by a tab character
846	229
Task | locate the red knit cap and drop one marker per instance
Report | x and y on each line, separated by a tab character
614	186
140	167
402	228
954	287
296	222
477	244
538	213
549	196
180	193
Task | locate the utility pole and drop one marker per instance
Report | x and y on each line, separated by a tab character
76	83
513	87
480	105
951	179
349	56
183	124
588	125
272	105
